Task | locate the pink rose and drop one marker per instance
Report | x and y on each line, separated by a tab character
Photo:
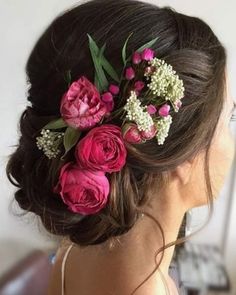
131	133
83	191
81	106
149	134
147	54
102	149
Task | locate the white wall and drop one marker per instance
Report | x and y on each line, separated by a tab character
21	24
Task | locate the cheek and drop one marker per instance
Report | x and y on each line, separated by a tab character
221	158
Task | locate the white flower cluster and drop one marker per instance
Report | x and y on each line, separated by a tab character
138	113
165	82
48	142
163	127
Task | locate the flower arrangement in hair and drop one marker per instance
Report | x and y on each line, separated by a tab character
142	96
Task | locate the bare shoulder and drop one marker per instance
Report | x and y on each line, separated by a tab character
54	287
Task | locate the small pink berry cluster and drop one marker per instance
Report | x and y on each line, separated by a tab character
108	97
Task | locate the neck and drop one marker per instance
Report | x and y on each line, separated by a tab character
131	260
146	237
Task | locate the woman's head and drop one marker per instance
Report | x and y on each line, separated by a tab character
185	42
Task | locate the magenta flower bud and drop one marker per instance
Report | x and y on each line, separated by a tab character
147	54
136	58
110	106
151	109
149	134
107	96
129	73
164	110
138	85
131	133
114	89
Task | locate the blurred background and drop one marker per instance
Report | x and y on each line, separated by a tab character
22	22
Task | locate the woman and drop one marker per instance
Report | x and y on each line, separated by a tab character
124	243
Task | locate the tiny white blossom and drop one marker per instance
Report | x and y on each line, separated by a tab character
138	113
49	142
165	82
163	127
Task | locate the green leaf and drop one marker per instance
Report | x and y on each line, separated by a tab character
124	49
56	124
104	62
101	51
96	82
71	137
106	65
68	77
147	45
95	56
109	69
93	45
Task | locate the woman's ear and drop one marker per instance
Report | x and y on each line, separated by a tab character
182	173
188	181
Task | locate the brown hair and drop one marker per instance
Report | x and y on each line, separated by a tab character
185	42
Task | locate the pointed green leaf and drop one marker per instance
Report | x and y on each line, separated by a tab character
100	73
68	77
93	45
96	82
101	51
124	49
106	65
104	62
147	45
71	137
56	124
109	69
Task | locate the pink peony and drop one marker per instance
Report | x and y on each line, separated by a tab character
81	106
129	73
147	54
114	89
136	58
131	133
84	192
102	149
164	110
151	109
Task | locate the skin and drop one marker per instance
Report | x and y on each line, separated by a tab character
132	258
